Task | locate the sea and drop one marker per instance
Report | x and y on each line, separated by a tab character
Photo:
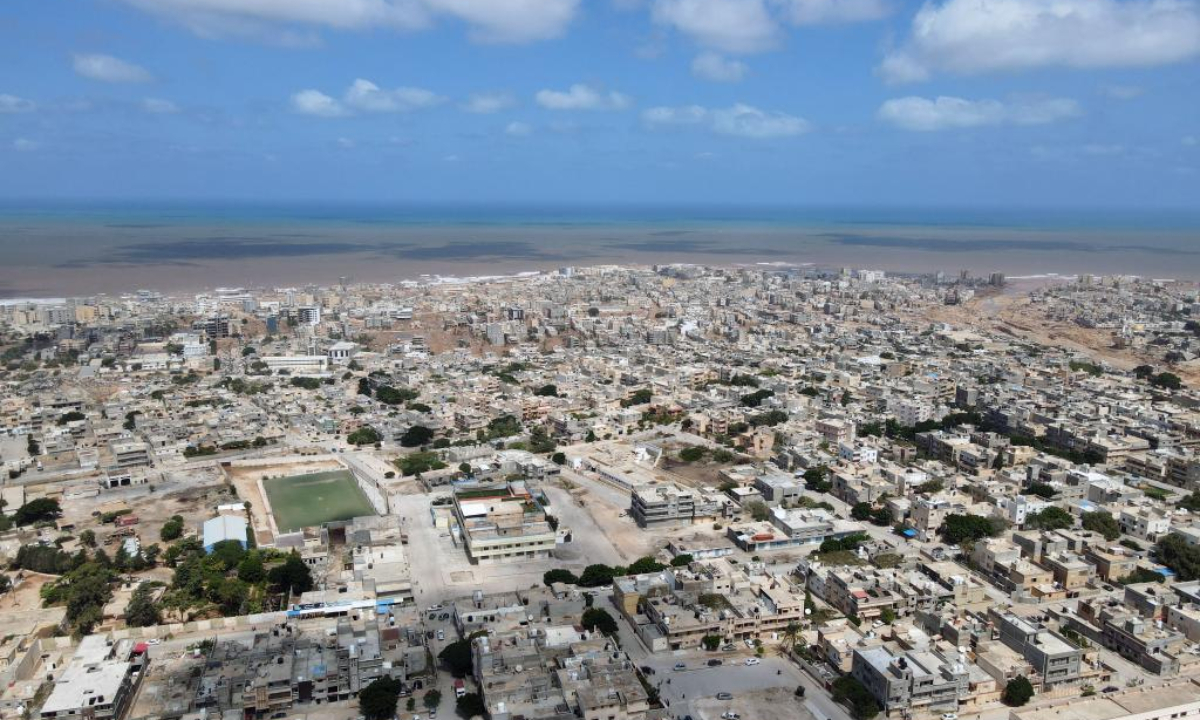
58	249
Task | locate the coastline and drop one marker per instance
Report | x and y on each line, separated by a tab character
72	255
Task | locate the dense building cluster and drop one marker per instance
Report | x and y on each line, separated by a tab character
615	493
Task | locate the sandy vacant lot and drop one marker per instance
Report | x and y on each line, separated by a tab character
21	610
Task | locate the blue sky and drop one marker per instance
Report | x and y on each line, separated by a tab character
794	102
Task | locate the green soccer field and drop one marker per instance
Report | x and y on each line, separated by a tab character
309	500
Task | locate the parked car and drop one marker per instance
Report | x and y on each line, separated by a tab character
714	662
949	716
680	666
753	661
724	696
441	635
730	716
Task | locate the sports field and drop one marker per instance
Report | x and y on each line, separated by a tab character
308	500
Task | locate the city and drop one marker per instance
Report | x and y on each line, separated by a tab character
637	492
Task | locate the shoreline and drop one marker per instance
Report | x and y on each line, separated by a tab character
1013	283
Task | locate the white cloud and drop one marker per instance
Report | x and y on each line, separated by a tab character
498	21
157	106
735	26
518	129
943	113
346	143
977	36
315	102
739	120
817	12
510	21
716	68
107	68
366	96
684	115
1123	92
750	122
1189	141
13	104
491	102
582	97
25	145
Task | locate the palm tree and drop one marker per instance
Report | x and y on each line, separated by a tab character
790	633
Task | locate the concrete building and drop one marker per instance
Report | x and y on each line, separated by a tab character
502	523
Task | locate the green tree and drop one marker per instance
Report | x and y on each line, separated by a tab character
1174	552
141	610
547	391
756	398
39	510
227	554
559	575
597	575
1102	522
251	570
598	619
1167	381
432	699
1051	518
172	529
87	538
1042	490
958	528
758	510
644	565
681	560
1017	692
420	462
852	693
389	395
365	435
816	479
1191	502
711	642
1142	575
457	658
292	576
416	436
469	706
639	397
377	701
861	511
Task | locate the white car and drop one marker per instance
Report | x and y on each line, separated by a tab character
949	716
441	635
154	641
753	661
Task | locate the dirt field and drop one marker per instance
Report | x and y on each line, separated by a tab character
191	495
1011	313
21	610
245	480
